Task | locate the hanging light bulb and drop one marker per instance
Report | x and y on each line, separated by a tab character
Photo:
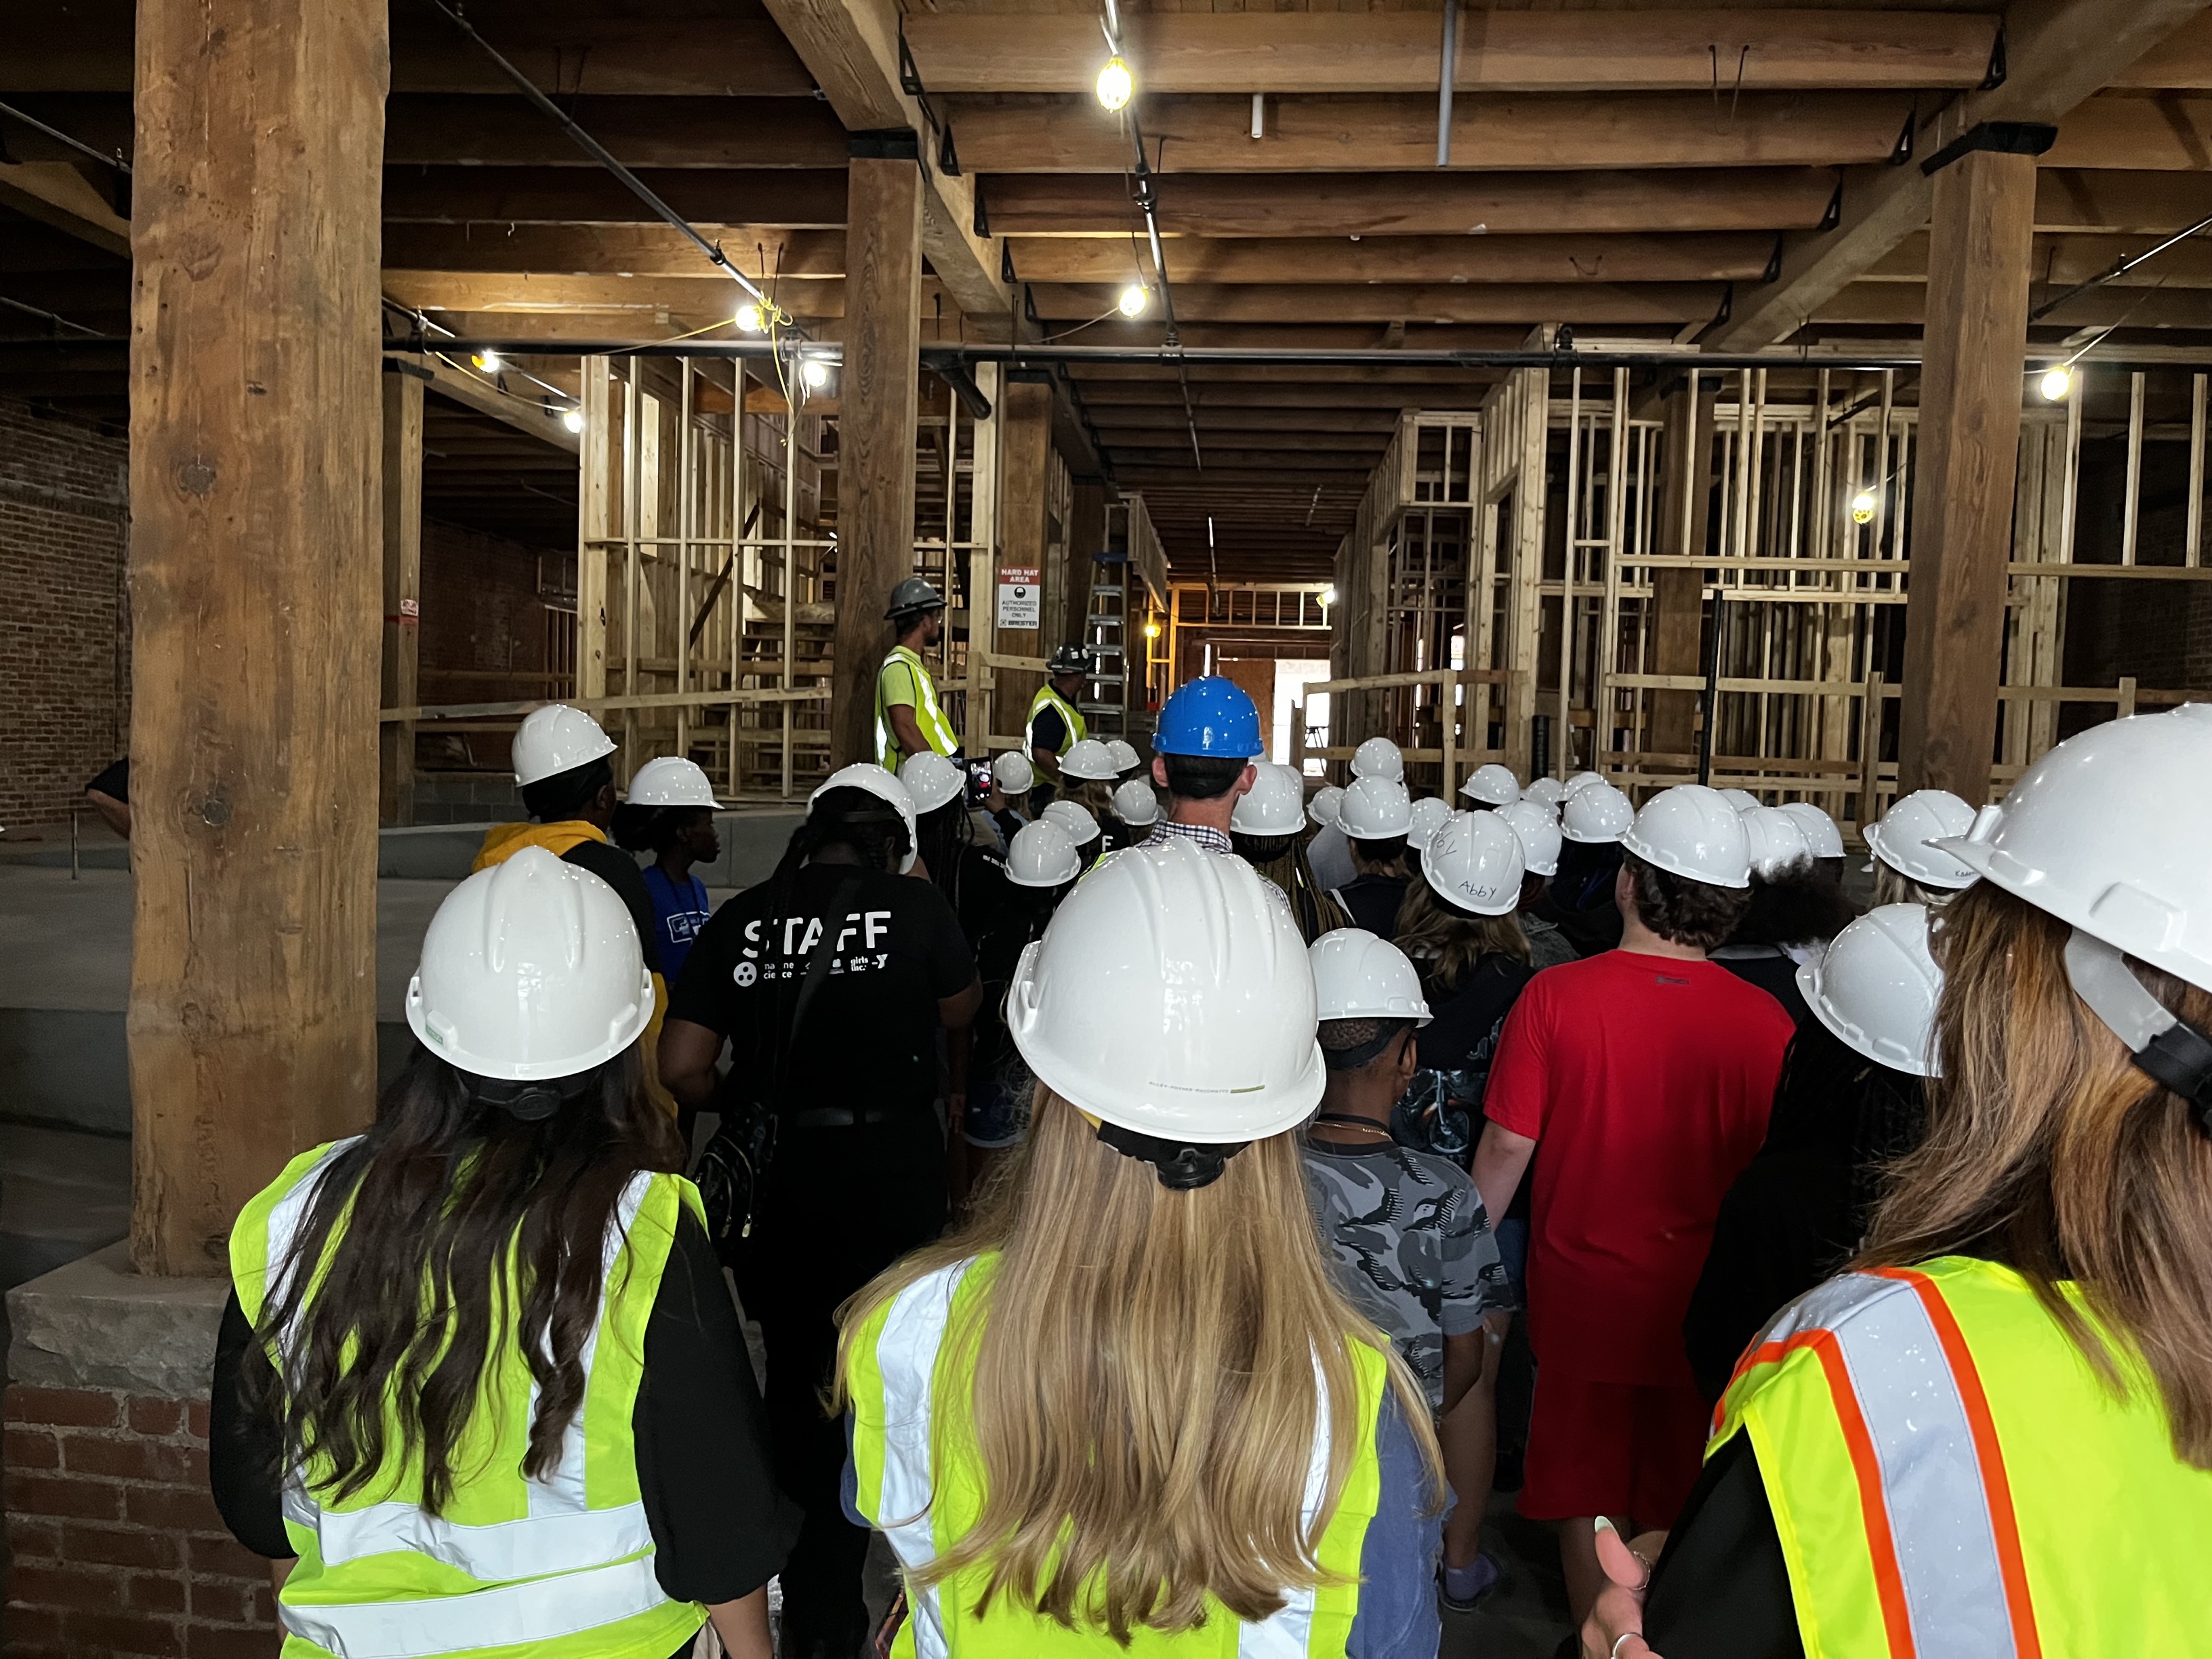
1152	630
1116	85
749	317
2057	381
1135	297
487	361
1862	506
1329	596
814	372
572	419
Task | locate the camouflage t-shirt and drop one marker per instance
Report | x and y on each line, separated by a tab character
1411	1246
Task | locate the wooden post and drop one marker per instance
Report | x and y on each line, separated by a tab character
596	458
876	409
403	587
984	573
1024	471
1969	445
255	543
1678	594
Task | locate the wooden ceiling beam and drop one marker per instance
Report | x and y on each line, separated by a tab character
2116	204
1497	132
1415	204
1137	417
444	128
798	198
2105	307
2063	260
1447	302
2183	59
705	295
2057	52
2161	132
646	250
1741	256
1295	463
60	197
1363	51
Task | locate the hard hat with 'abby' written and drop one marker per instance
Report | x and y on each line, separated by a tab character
1358	976
1693	832
1275	805
1540	835
1171	997
1379	757
1327	802
1473	863
1431	814
1906	838
557	739
1491	785
671	781
1137	804
530	969
880	782
931	780
1041	854
1013	773
1375	809
1876	989
1089	761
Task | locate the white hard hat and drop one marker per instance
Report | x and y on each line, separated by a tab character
1904	839
1275	804
1124	753
1549	792
1532	821
1378	758
1474	863
671	781
931	780
1824	839
1596	813
1041	854
1013	773
1431	813
556	740
1091	761
1358	976
1876	989
1773	840
1743	799
1073	817
2107	833
1327	800
530	969
1493	785
1171	996
1375	809
1581	780
1137	804
1692	831
879	781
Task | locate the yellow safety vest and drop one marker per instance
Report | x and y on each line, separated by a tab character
1074	730
935	726
561	1567
916	1477
1949	1478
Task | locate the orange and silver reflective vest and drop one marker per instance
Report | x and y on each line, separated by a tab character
1950	1479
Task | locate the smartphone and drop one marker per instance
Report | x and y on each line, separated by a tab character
979	781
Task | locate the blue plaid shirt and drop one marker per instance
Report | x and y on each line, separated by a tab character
1204	834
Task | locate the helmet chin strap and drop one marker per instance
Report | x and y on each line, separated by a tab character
2163	1047
1182	1166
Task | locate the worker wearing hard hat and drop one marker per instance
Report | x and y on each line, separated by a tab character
908	717
1994	1434
1202	750
479	1385
1127	1407
1055	724
1264	826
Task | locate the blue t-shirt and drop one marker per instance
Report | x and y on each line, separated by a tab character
678	915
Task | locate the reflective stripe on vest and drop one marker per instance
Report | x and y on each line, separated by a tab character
565	1562
898	1371
936	730
1072	730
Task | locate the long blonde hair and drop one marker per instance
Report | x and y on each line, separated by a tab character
1446	942
1149	1367
2046	1146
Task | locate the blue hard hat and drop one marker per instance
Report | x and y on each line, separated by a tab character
1209	716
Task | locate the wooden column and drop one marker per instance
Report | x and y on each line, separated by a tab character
1678	594
1025	467
598	457
1969	441
256	507
403	587
876	401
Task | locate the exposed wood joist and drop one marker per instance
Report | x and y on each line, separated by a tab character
2111	306
1361	51
2057	52
57	195
2163	131
793	198
1115	421
762	252
2183	59
1417	204
1445	302
2116	204
708	294
453	129
1496	132
1724	256
2064	261
1298	460
529	415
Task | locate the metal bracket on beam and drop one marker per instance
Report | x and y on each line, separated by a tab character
401	366
885	144
963	382
983	218
1901	152
1006	262
948	159
1995	77
2004	137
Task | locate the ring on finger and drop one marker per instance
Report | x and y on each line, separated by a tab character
1617	1642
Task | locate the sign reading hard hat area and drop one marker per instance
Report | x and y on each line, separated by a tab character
1019	595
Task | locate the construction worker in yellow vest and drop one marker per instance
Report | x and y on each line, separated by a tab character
910	720
1163	1431
1992	1435
480	1388
1055	724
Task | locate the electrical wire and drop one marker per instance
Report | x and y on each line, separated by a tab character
2120	268
60	137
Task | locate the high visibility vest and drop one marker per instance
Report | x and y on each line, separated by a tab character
905	1392
931	718
1073	730
561	1566
1949	1476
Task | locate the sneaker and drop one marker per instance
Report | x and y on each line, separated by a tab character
1465	1589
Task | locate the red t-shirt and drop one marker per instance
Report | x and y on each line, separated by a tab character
1646	1083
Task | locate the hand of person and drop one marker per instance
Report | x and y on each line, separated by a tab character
1614	1628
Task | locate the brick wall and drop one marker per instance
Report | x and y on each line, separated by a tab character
64	629
115	1548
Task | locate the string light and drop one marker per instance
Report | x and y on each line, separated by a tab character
1152	630
814	372
1327	596
1135	297
487	361
2057	381
749	317
1862	506
572	419
1116	85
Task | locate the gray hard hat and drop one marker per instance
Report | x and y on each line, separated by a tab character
913	595
1068	660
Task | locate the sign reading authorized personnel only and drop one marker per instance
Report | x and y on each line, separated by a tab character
1018	601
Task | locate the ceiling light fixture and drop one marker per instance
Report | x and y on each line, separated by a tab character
572	419
1134	299
2057	381
749	317
1862	506
814	372
490	362
1327	596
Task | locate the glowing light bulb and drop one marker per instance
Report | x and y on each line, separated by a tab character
1152	630
487	361
1116	85
1862	506
814	372
2056	382
749	317
1135	297
572	419
1329	596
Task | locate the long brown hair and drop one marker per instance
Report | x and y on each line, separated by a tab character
1446	942
1148	1367
2049	1150
458	1212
